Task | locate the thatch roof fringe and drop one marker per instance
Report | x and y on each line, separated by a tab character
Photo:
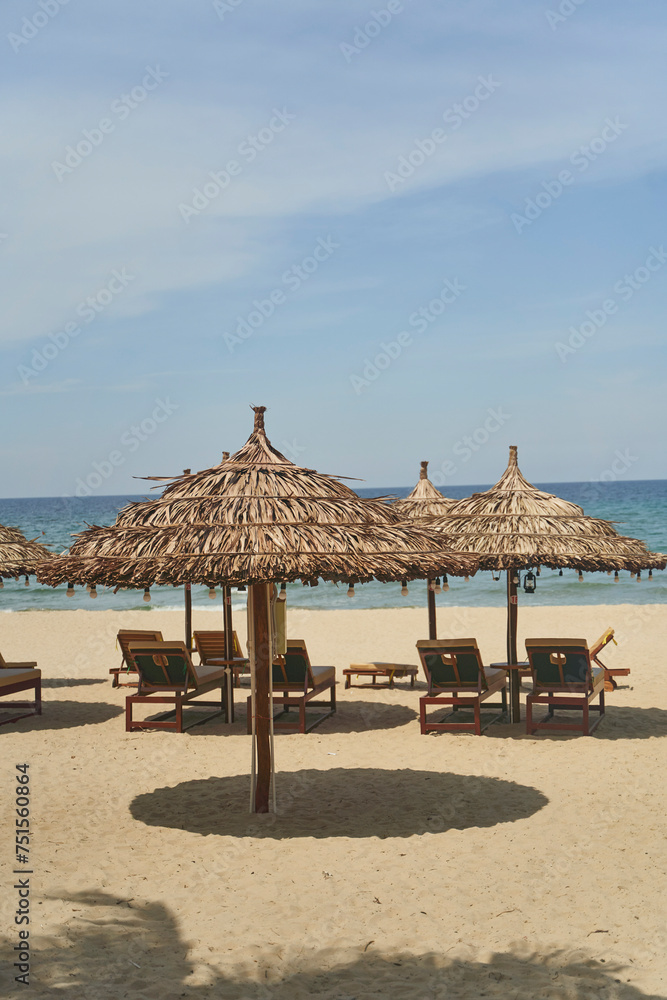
18	555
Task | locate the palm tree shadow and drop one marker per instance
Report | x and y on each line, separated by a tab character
124	947
341	802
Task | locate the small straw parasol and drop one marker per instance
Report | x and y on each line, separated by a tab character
515	526
256	519
18	555
423	501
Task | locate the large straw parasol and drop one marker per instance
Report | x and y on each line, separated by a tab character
18	556
423	501
256	519
515	526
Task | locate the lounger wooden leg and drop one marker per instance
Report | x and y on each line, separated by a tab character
302	717
478	719
38	697
179	714
333	697
422	716
412	680
529	716
348	681
128	714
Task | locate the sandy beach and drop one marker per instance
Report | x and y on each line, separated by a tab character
399	865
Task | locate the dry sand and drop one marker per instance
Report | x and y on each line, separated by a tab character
399	865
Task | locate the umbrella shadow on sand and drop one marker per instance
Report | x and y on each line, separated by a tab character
341	802
621	722
67	715
350	717
130	947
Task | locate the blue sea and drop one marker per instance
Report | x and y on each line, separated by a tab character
638	509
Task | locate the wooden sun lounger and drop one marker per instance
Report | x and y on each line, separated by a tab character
168	676
457	677
296	682
564	678
609	673
211	649
127	665
377	669
16	677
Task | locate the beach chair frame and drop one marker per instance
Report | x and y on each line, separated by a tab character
566	680
210	647
124	638
167	676
610	673
24	680
456	677
296	682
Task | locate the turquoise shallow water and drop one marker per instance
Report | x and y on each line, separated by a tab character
638	508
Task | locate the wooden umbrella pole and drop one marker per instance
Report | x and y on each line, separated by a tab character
262	655
229	649
512	608
430	594
188	616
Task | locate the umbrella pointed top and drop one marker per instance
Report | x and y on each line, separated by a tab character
425	499
423	473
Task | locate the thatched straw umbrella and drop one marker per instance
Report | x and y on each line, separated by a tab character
515	526
256	519
18	556
425	500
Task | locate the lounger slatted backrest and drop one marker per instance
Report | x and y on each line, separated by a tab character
163	665
293	667
129	636
452	663
560	663
211	645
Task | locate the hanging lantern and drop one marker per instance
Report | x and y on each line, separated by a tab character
350	590
466	579
241	588
404	588
437	589
27	581
445	584
639	576
650	574
616	577
282	595
608	572
211	593
147	595
538	570
560	572
529	583
515	578
581	577
70	590
93	591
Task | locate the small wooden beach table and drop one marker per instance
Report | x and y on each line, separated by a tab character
377	669
515	685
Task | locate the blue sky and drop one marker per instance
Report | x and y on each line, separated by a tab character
306	114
